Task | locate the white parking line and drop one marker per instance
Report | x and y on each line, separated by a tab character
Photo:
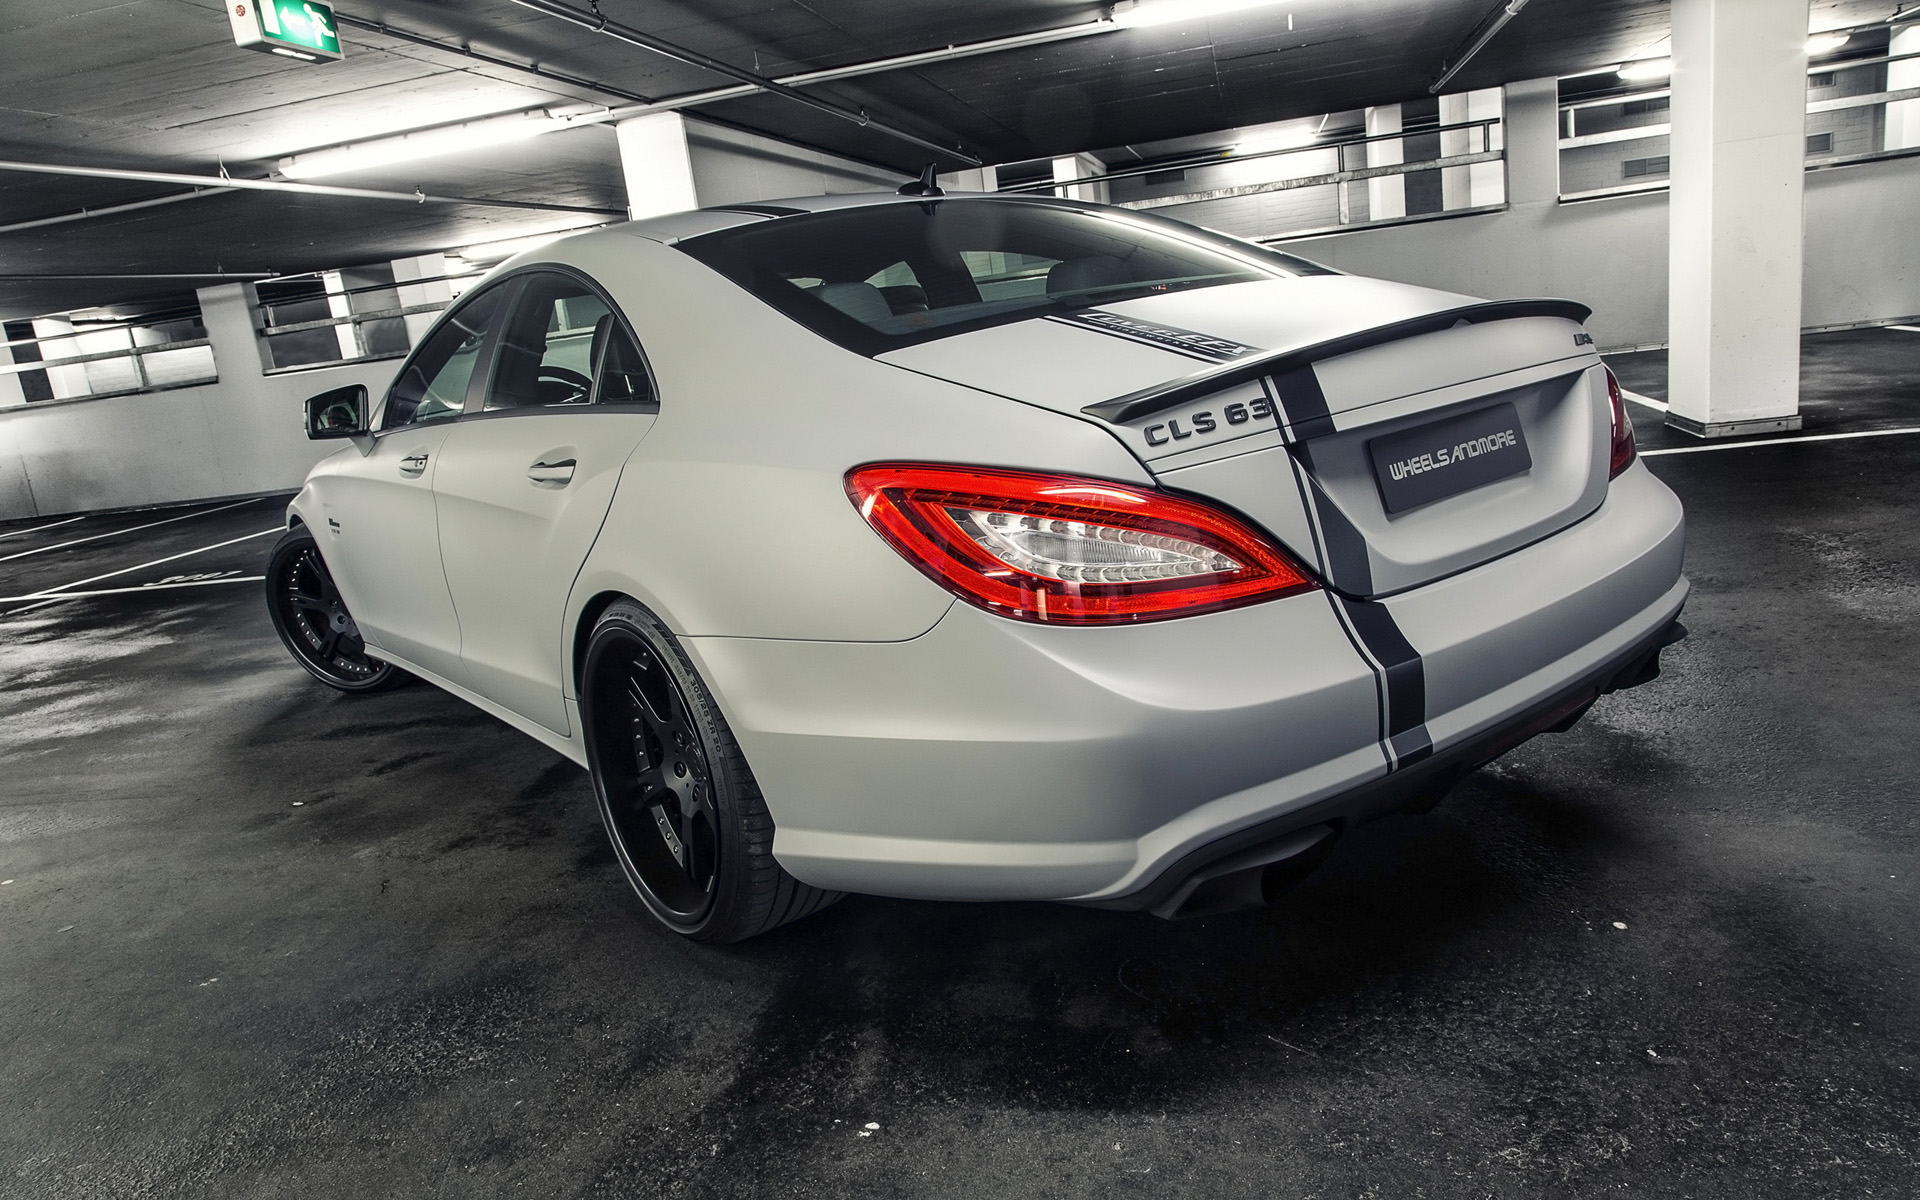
67	587
43	599
39	528
136	529
1649	401
1786	441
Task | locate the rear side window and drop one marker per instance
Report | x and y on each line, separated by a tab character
877	278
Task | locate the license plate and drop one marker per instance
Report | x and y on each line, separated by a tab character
1448	457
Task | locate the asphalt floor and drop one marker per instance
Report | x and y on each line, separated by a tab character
258	939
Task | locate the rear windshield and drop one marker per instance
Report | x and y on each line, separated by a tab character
878	278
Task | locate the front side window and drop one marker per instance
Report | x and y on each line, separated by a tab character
433	384
879	277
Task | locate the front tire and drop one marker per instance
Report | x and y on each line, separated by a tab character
688	824
312	620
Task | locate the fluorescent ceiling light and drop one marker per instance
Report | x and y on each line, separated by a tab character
1826	43
424	143
1647	68
1145	13
1297	137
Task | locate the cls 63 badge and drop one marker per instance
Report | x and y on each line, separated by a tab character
1203	423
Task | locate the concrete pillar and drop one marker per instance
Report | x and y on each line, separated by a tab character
657	165
1734	262
1387	196
1903	116
1482	183
1079	166
978	179
226	310
424	266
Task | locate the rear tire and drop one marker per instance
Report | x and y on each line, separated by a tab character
313	622
687	821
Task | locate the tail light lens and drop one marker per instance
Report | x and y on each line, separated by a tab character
1066	550
1623	447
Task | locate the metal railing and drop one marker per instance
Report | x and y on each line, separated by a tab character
1480	137
148	370
1572	139
271	326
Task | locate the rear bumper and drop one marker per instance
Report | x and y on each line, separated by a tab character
991	760
1207	879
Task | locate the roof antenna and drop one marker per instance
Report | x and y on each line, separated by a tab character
925	185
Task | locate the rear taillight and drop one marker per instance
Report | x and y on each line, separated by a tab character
1623	448
1066	550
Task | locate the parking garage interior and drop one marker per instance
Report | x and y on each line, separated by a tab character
264	939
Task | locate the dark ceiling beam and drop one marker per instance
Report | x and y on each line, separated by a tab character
467	51
646	41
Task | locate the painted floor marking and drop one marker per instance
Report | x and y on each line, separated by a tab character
1785	441
136	529
67	587
1649	401
44	599
38	528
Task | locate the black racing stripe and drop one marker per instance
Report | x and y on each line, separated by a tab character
1406	675
1303	402
1347	562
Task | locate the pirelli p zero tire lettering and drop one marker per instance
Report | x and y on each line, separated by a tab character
313	622
686	818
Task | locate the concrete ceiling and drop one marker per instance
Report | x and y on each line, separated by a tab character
158	85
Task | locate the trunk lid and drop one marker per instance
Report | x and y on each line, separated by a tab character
1290	400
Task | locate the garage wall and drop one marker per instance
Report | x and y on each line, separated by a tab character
1862	260
238	436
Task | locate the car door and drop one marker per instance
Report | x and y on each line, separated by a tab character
381	523
523	485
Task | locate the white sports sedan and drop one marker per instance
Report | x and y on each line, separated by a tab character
983	547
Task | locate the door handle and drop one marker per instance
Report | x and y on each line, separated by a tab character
554	472
413	464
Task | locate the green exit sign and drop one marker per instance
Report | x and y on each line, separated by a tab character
302	29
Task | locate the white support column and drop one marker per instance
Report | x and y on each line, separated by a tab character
1903	116
657	164
1734	264
1386	196
226	310
1482	183
1079	166
425	266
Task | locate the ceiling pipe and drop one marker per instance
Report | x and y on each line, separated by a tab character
646	41
1483	33
110	209
281	185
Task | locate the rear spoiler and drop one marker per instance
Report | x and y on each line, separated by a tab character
1175	392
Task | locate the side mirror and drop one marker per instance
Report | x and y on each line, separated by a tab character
340	413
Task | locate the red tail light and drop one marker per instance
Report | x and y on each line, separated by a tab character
1066	550
1623	447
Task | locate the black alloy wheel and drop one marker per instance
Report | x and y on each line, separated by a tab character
313	620
686	818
